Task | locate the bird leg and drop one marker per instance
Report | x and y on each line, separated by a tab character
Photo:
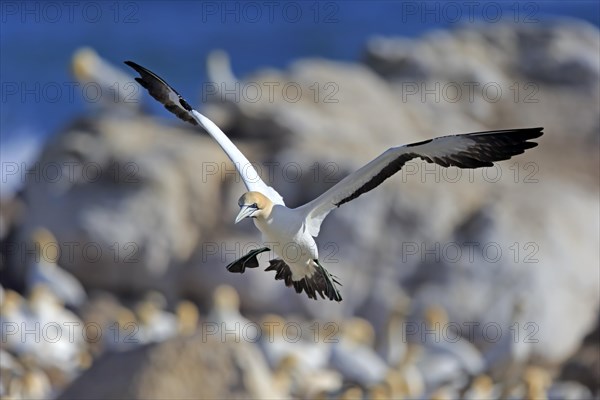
247	261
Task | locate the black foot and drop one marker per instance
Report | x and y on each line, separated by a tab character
247	261
321	282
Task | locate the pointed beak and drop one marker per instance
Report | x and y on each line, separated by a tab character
245	212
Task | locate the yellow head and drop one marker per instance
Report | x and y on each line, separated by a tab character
254	205
46	245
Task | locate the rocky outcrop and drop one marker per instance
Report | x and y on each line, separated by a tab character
182	368
127	201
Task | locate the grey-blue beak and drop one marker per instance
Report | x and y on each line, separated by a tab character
245	212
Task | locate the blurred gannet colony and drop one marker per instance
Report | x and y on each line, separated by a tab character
473	286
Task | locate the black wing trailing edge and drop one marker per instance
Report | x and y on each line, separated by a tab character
321	282
485	149
375	181
165	94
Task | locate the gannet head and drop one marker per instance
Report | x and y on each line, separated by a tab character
253	205
46	245
225	297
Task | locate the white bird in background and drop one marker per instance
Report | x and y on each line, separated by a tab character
109	84
296	228
45	271
353	355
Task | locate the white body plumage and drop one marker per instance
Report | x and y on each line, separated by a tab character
285	233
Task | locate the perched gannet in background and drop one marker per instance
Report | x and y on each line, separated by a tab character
353	355
11	373
114	86
187	317
64	351
35	383
445	357
310	355
45	271
155	323
537	382
297	227
225	313
482	388
14	313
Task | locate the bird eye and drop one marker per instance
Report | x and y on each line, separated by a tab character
254	205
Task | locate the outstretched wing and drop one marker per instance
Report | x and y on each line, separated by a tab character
470	150
165	94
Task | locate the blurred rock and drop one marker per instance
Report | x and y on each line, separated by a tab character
109	315
128	201
584	365
569	391
543	71
191	367
11	211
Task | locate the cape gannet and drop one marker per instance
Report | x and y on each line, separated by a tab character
297	227
46	271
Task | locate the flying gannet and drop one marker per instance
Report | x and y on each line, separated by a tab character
284	226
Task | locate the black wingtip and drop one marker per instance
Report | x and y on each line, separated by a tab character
492	146
539	130
162	91
143	72
141	82
134	65
530	133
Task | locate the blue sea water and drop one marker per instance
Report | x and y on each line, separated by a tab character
38	39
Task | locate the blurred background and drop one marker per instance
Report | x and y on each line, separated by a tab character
116	218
